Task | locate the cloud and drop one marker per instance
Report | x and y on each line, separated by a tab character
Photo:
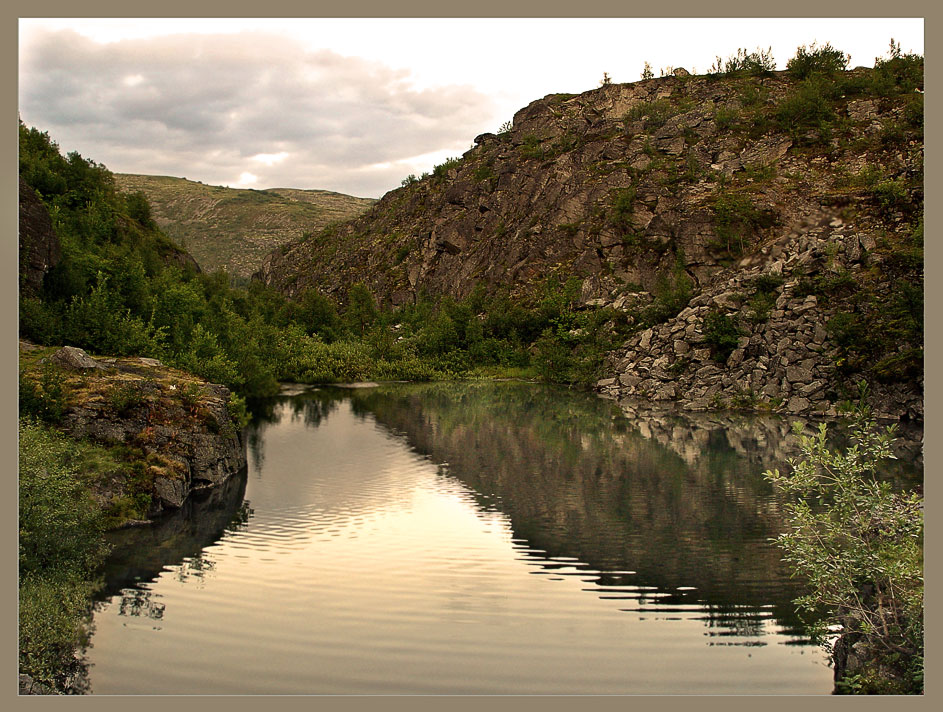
218	108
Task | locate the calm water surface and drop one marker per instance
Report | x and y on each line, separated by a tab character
483	538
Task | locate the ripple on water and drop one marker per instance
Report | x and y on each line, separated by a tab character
365	567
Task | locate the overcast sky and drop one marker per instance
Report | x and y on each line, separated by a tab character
354	105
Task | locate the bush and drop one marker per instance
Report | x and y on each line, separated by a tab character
553	358
810	107
722	334
726	118
672	293
622	205
860	547
817	60
757	63
441	170
899	73
45	400
60	545
736	220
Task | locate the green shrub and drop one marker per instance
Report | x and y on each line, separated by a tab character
45	400
60	545
139	209
736	220
656	113
897	74
672	292
483	172
553	358
757	63
859	545
622	205
721	334
726	118
532	148
809	107
817	60
125	397
441	170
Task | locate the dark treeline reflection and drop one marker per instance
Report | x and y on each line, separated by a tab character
679	500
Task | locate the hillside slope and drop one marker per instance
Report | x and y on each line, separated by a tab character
233	229
759	197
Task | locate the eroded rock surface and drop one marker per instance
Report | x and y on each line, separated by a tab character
180	425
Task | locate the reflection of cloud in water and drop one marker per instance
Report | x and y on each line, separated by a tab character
327	469
678	499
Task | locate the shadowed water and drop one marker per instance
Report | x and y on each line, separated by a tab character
466	538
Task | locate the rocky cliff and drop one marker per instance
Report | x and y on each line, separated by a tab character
786	213
173	433
40	250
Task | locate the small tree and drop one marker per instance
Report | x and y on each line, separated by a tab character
860	546
361	309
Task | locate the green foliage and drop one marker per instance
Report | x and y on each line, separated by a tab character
622	205
125	397
736	221
721	334
817	60
318	315
532	148
760	62
726	118
484	172
553	358
60	545
898	73
809	108
860	547
361	309
441	170
673	290
655	113
45	400
139	209
765	288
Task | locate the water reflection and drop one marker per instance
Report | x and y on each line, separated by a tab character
678	503
466	538
178	540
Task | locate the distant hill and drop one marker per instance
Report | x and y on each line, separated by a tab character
234	229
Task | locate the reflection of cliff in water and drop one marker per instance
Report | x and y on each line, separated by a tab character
140	554
680	502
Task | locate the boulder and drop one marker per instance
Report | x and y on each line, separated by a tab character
76	359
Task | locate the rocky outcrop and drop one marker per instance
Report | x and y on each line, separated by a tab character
180	426
40	250
637	188
611	185
784	359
